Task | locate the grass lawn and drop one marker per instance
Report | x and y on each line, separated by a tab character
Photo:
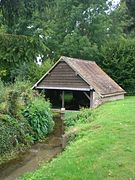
104	149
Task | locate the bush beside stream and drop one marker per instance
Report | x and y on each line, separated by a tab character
25	117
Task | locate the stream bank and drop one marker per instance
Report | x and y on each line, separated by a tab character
39	153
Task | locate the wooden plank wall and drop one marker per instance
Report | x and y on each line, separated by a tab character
63	76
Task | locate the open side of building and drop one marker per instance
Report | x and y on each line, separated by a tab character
76	75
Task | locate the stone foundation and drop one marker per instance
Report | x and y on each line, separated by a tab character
97	100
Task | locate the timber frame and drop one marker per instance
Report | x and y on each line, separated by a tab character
70	74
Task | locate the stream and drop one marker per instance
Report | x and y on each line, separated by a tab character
38	154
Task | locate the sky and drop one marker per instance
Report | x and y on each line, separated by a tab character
115	2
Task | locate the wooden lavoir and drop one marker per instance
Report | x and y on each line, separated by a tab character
70	74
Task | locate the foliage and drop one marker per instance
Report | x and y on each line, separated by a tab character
14	97
73	118
106	150
39	116
13	103
120	22
77	27
22	87
13	133
17	50
131	6
117	58
2	90
31	71
15	129
18	15
76	45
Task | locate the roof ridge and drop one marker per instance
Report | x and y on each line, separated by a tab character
76	59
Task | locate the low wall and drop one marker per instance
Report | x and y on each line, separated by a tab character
67	136
113	98
97	100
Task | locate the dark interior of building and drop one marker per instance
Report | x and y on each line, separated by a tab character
73	100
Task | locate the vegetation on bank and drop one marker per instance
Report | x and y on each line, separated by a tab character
75	118
103	149
25	117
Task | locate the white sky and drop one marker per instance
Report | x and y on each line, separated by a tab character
115	1
114	4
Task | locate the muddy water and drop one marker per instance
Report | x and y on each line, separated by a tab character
38	154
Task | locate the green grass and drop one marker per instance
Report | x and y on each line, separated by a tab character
104	149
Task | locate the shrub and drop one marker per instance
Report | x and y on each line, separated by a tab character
82	116
14	97
24	90
24	116
13	133
13	105
39	115
3	107
3	92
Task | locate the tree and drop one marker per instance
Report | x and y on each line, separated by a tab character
131	7
16	50
69	19
21	39
17	14
131	10
117	58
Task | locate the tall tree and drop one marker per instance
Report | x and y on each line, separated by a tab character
17	13
69	19
131	11
20	42
16	50
131	7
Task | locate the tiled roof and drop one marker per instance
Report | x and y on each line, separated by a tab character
93	75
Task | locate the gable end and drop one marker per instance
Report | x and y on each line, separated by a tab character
62	76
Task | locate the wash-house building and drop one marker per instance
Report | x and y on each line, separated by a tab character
84	81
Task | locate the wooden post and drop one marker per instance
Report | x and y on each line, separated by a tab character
91	99
62	115
63	101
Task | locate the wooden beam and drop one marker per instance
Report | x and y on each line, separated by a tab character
87	95
90	98
64	88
